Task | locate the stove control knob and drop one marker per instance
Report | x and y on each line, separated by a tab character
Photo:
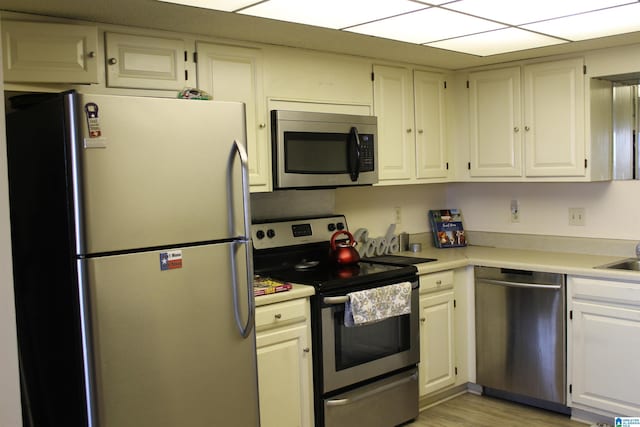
271	233
331	227
341	226
260	234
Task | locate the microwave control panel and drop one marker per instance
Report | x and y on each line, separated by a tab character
367	161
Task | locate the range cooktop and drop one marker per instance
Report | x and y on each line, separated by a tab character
399	260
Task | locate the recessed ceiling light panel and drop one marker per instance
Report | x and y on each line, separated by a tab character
603	23
523	12
496	42
425	26
331	13
223	5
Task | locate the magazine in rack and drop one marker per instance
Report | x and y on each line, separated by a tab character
447	228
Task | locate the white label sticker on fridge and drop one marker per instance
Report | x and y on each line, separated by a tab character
93	122
170	260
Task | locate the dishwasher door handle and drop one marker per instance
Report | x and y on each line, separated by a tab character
519	285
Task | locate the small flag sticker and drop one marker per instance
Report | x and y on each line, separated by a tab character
170	260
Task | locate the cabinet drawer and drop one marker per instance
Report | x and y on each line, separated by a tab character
274	315
613	291
436	281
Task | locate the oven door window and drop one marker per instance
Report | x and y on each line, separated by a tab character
357	345
316	153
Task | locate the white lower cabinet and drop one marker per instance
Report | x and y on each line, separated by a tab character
283	346
437	365
604	345
437	368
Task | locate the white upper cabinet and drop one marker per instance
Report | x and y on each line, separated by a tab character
392	104
431	149
534	127
554	118
411	125
38	52
494	121
139	62
233	73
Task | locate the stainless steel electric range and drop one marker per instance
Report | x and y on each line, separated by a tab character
363	375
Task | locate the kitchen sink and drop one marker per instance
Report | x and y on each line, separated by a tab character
631	264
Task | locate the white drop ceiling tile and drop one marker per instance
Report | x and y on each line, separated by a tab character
496	42
331	13
224	5
522	12
619	20
426	26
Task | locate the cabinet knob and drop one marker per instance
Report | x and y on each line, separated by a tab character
527	128
91	54
112	61
306	350
423	319
409	130
278	316
516	129
262	125
438	282
420	131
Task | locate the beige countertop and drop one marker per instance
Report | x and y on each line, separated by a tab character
451	258
549	261
298	291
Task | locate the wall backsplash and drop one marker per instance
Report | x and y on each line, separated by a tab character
291	203
612	209
373	208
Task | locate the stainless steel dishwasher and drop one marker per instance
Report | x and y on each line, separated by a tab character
520	336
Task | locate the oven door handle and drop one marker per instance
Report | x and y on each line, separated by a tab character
372	392
336	300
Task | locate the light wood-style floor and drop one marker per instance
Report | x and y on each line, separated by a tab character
470	410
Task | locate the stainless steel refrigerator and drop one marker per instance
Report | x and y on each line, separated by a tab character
132	261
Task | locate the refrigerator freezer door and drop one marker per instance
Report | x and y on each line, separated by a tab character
167	347
157	171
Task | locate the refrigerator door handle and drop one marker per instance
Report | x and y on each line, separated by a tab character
245	329
241	151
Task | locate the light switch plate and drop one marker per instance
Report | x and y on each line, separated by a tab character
576	216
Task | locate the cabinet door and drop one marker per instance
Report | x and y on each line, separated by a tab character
494	121
284	377
146	62
437	358
392	104
430	153
554	118
231	73
38	52
606	351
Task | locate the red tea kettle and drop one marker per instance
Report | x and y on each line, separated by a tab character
344	252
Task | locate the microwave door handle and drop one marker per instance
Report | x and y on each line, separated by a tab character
354	154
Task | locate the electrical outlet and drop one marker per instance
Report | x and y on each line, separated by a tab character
397	215
576	216
515	211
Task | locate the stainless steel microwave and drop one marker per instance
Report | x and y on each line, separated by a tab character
323	150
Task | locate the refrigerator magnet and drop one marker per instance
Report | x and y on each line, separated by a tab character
170	260
93	122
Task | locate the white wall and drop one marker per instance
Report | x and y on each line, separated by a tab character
612	209
373	207
10	414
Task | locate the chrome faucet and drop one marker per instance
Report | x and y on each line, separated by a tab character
638	251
